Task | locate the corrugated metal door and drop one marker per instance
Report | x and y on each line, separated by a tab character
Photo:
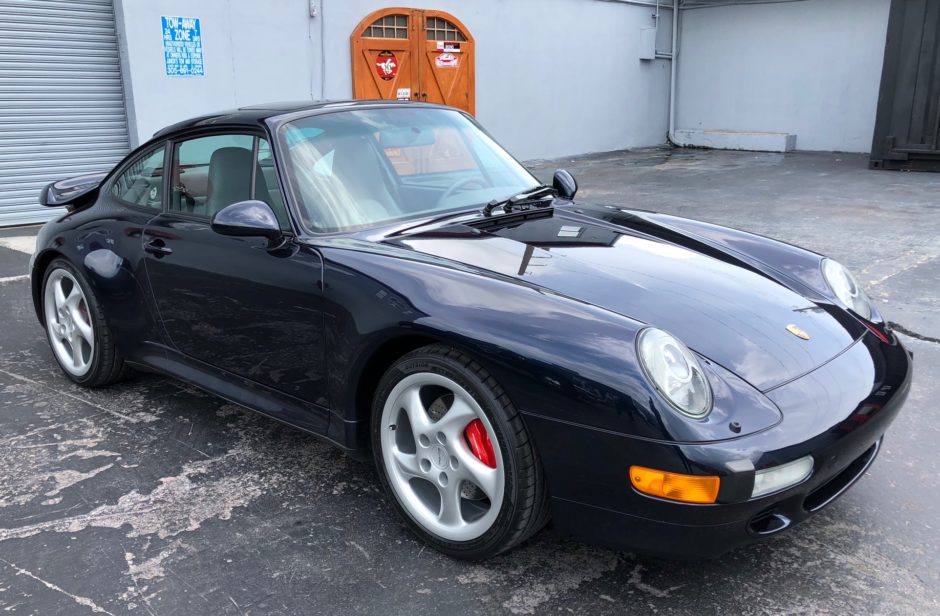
61	99
907	127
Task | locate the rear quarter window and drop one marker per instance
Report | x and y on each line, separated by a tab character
141	182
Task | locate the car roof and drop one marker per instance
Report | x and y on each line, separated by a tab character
255	115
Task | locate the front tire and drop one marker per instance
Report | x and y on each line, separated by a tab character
454	456
76	328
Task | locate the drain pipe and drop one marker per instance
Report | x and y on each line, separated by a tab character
673	68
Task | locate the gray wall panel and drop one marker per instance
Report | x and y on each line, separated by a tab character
808	68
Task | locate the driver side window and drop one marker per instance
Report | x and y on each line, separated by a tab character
213	172
210	173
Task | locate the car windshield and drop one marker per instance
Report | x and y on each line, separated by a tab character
359	168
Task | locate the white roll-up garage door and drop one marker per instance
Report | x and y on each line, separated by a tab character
61	99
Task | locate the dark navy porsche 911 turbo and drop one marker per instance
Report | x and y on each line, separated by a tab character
385	276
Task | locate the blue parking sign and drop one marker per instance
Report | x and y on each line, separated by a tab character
182	46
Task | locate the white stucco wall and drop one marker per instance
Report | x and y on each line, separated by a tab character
254	52
553	77
810	68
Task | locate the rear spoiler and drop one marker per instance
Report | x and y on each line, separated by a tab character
72	192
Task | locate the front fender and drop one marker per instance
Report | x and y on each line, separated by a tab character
796	267
790	263
556	357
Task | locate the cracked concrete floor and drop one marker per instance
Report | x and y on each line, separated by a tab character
154	498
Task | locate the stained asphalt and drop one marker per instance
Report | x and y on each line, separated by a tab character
151	497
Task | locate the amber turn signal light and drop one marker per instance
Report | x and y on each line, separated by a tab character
674	486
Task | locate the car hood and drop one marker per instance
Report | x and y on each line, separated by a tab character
722	307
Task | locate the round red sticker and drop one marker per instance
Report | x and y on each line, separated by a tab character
386	65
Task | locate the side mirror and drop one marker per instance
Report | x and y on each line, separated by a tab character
565	184
247	219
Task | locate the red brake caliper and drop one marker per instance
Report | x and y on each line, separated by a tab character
480	443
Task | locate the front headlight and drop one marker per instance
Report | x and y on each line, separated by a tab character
675	372
846	289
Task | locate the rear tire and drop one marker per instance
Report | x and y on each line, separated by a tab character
460	497
76	329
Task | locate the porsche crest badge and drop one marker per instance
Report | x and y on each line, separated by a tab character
796	331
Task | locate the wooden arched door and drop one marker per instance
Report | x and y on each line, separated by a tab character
446	58
401	53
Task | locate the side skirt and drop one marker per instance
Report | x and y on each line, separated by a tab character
277	405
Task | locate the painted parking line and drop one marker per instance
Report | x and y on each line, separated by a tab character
14	278
20	243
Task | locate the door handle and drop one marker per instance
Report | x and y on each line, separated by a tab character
158	248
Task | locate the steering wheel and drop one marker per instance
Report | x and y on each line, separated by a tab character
453	188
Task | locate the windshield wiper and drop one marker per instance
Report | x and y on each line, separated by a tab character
437	219
534	197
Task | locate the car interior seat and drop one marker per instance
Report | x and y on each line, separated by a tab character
230	182
357	166
229	178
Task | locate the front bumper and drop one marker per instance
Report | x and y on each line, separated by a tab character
837	413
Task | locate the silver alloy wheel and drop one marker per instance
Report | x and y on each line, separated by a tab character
68	322
438	480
